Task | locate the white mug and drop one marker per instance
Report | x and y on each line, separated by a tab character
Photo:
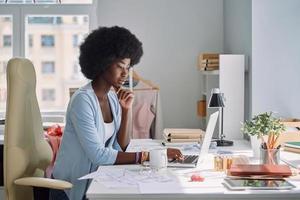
158	158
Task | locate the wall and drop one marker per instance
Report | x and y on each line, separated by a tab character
275	57
237	39
173	33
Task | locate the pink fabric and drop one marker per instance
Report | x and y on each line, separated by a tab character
53	136
142	120
146	121
143	114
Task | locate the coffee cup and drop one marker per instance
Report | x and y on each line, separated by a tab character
158	158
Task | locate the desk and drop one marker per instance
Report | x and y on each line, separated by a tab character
210	189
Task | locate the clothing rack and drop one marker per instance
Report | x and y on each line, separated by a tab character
151	85
133	75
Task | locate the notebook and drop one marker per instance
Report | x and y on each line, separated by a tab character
292	145
260	170
191	161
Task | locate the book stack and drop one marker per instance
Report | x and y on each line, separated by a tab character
292	147
183	135
208	61
259	171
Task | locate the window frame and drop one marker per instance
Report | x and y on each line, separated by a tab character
19	13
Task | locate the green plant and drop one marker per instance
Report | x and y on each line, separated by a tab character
264	125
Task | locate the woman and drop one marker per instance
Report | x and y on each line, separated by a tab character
96	120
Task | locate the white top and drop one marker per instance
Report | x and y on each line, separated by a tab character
109	130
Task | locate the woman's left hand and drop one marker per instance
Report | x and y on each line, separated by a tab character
174	154
125	98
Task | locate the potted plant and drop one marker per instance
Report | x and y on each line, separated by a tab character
266	128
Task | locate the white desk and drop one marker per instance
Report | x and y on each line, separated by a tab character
211	188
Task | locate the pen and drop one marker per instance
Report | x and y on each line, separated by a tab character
163	143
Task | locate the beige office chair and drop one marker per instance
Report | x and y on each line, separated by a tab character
26	153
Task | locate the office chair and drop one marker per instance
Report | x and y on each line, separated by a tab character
26	153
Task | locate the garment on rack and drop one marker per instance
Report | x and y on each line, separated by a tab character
146	112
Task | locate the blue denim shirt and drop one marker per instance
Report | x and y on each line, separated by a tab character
82	148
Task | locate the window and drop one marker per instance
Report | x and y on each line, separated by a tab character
7	19
75	20
3	66
75	40
2	95
48	94
6	40
85	19
30	40
76	73
76	68
44	35
47	1
48	67
56	60
47	40
45	20
6	34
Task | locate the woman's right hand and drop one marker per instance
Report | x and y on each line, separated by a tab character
125	98
174	154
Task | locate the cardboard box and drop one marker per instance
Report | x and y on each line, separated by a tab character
208	61
201	108
291	122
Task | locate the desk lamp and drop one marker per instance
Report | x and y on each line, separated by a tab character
217	101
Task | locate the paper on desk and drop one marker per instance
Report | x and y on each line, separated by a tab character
110	178
124	178
142	145
92	175
102	173
116	184
160	188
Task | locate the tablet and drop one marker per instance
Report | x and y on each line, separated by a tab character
258	184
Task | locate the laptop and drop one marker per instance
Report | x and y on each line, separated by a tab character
190	161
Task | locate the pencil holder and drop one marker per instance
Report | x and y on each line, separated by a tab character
269	157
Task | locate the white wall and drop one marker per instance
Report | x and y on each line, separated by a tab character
275	57
237	39
173	33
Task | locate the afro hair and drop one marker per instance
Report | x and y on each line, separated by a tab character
106	45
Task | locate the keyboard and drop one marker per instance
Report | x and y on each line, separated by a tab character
190	159
187	159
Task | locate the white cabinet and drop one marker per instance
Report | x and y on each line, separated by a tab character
230	78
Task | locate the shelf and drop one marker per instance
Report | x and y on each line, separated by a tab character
230	78
213	72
